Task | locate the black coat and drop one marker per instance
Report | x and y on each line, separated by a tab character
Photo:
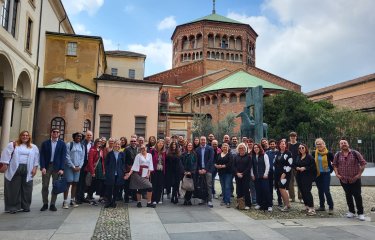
111	167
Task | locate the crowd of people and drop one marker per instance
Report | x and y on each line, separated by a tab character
118	170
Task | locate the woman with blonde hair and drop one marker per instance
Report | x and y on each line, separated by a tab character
323	159
21	161
241	169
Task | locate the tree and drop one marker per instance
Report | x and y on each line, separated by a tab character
202	125
226	126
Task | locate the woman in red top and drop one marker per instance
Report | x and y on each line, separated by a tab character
96	167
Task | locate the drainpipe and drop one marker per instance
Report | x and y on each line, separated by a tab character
38	71
62	20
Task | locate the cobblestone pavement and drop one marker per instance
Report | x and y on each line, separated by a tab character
113	223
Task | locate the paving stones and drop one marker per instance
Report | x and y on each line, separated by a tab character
113	223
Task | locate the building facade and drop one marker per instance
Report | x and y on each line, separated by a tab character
67	99
356	94
209	54
21	58
126	64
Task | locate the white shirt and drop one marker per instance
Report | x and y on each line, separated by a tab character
141	160
24	153
53	144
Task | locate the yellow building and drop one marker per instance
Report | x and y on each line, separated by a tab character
67	99
126	64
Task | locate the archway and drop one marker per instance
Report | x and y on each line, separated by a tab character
6	98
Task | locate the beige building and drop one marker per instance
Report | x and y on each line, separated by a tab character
21	56
126	64
357	94
126	106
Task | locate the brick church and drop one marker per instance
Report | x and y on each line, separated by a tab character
214	62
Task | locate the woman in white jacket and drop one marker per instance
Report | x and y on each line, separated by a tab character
21	159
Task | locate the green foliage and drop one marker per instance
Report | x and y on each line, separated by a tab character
226	126
290	111
202	126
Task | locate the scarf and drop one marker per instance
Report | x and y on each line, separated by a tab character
324	160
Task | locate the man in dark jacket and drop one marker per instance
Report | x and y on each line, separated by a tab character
205	157
130	153
52	160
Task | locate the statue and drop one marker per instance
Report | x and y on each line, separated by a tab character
252	124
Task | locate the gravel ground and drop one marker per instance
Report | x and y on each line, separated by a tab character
339	200
113	223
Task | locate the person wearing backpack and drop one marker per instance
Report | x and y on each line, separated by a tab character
75	156
349	165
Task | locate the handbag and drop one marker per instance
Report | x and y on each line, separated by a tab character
59	185
187	184
3	166
88	179
200	188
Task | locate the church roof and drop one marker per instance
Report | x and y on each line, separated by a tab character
216	18
239	79
68	85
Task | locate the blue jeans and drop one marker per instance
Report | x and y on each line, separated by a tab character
323	182
226	185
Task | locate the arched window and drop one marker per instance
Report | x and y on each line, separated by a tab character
164	97
86	126
233	98
224	98
208	100
214	100
243	97
59	123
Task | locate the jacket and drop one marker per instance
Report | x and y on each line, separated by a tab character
112	167
208	158
58	159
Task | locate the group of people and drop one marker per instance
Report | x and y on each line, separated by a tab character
117	170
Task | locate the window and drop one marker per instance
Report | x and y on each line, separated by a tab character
86	126
28	34
114	71
140	126
5	14
59	123
233	98
14	18
71	49
105	126
131	73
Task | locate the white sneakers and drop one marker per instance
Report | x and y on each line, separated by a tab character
210	205
360	217
247	208
257	207
269	209
65	205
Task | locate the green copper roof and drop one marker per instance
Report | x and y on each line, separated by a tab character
68	85
217	18
240	79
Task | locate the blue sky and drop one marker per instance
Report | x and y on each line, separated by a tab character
314	43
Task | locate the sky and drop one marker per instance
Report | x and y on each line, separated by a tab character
314	43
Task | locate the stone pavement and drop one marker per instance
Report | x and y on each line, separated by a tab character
176	222
179	222
78	223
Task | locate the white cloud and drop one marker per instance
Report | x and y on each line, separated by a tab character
167	23
76	6
109	45
315	43
158	53
81	29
